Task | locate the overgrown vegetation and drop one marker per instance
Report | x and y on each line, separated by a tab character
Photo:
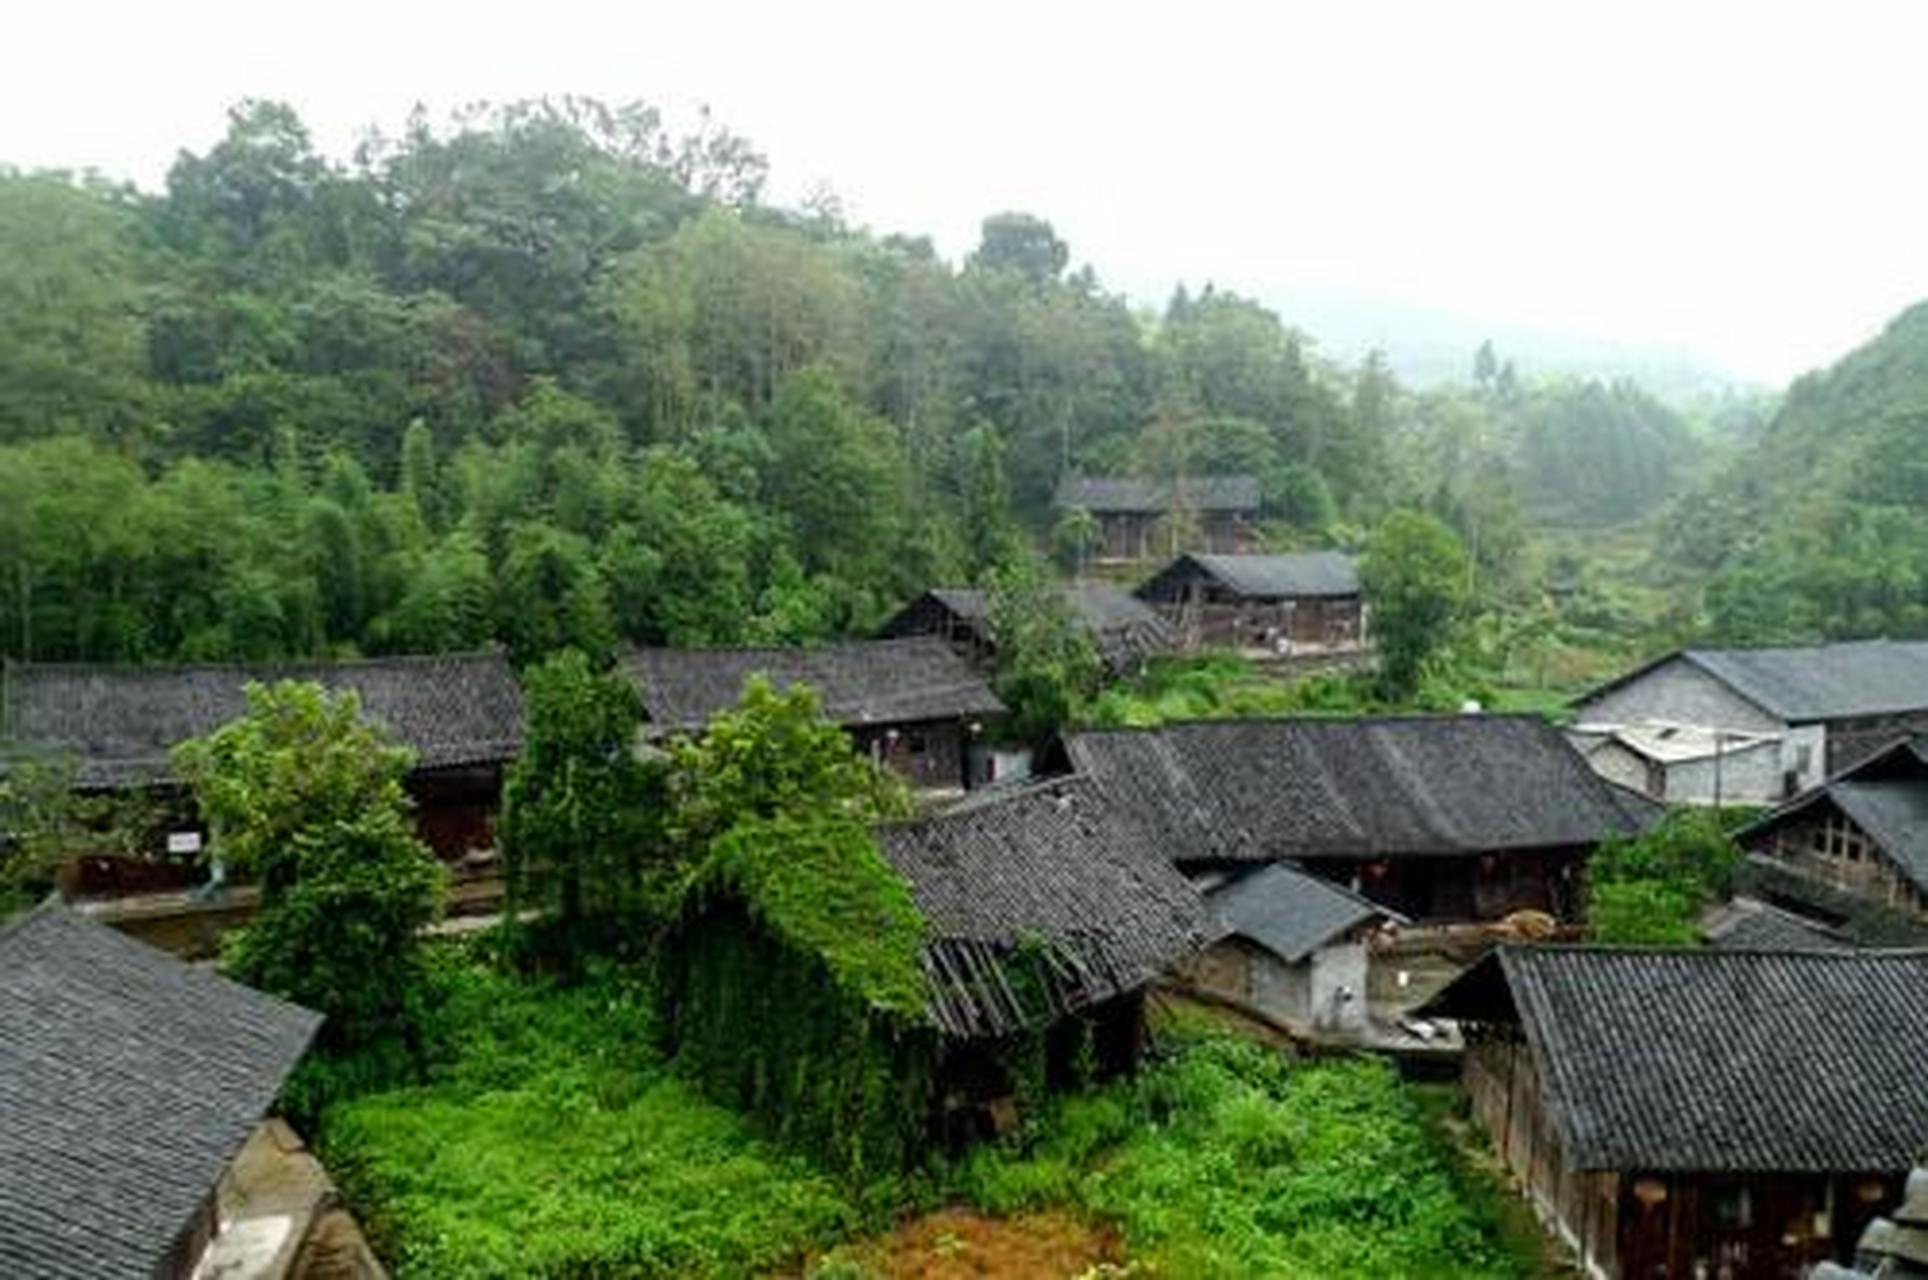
1649	890
44	821
1227	1159
306	797
550	1138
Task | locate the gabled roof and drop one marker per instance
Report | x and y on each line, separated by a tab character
1748	924
1049	866
121	721
1265	790
1886	795
1296	575
1124	629
1101	494
1717	1060
860	682
1289	911
1811	682
127	1082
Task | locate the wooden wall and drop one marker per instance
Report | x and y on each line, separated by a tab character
1658	1225
929	754
1826	844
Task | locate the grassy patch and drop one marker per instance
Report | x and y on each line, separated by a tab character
550	1140
1228	1160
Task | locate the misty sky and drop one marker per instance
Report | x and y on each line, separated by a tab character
1742	184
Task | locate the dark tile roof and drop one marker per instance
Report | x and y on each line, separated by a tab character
1639	808
860	682
1747	924
1124	628
1885	794
1288	911
1812	682
128	1080
120	721
1716	1060
1049	864
1266	790
1100	494
1296	575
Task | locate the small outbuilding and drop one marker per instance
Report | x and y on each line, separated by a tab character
911	704
1306	602
1124	629
1686	764
1139	519
128	1083
1291	946
1699	1112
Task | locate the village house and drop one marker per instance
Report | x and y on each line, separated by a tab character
1054	868
1754	726
1303	603
1438	818
1291	947
1124	629
129	1083
1699	1112
1044	917
459	714
1686	764
1139	519
910	704
1863	832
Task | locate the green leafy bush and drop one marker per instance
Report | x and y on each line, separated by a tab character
550	1139
1229	1160
1649	890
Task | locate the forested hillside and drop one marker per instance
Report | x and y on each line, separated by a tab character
1820	531
553	372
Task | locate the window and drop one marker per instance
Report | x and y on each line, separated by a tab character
1803	758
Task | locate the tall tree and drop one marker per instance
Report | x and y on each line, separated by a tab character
1414	575
307	797
581	813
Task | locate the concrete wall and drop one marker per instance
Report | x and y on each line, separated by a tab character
1679	691
1338	987
1749	774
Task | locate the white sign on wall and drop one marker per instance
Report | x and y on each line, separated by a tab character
184	842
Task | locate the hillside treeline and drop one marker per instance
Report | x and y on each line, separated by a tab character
1820	530
554	372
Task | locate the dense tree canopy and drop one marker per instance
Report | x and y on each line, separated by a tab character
551	374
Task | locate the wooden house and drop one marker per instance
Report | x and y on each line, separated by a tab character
460	714
911	704
1042	919
1052	868
1439	818
1124	629
1824	707
1142	519
1302	603
1289	946
1863	832
1699	1112
128	1083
